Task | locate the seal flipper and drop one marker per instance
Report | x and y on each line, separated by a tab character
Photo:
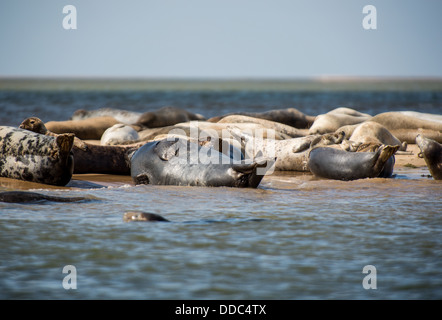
64	143
166	150
142	178
382	155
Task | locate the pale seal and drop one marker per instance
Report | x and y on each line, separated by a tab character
119	133
290	116
330	122
122	116
31	156
291	154
431	151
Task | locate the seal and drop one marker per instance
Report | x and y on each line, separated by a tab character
183	163
122	116
143	216
291	154
423	116
91	158
330	122
25	196
290	131
166	116
290	116
35	124
331	163
119	133
31	156
399	120
370	132
431	151
86	129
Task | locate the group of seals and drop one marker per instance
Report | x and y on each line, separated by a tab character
341	144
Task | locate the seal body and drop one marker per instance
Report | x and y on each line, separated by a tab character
122	116
183	163
85	129
25	197
290	116
119	134
166	116
338	164
31	156
431	151
291	154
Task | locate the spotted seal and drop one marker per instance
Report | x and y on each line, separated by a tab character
31	156
35	124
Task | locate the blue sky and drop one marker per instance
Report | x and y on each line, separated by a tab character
221	39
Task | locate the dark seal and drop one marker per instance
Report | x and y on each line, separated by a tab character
183	163
338	164
431	151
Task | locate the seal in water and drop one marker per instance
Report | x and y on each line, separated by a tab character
338	164
180	162
25	196
142	216
431	151
31	156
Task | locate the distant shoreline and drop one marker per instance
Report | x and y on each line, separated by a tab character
192	84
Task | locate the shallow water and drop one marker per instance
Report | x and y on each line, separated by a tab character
295	237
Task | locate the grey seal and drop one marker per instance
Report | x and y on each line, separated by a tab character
331	163
31	156
166	116
25	196
431	151
184	163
